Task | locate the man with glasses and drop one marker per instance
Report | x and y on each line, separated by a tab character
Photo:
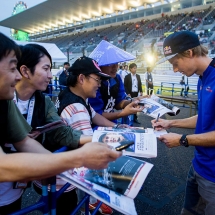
83	82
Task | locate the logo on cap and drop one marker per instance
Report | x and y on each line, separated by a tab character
96	65
167	50
209	89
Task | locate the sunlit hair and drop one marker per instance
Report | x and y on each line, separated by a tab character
198	51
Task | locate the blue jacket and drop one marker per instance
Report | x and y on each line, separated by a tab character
63	79
107	92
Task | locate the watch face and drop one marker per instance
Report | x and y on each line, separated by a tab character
184	141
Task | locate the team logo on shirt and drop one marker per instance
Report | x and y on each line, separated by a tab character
209	89
110	105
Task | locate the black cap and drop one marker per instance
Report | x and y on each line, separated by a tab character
177	43
85	65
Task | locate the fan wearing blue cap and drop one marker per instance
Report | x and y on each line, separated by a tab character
184	51
111	95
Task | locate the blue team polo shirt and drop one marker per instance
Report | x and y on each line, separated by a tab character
204	160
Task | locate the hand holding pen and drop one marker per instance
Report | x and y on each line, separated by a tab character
157	117
157	120
160	124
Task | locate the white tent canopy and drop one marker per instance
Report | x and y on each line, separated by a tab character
56	54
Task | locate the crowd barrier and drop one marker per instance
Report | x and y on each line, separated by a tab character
47	202
174	88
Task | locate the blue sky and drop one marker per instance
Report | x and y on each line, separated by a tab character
7	8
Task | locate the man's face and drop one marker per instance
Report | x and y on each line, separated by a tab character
110	70
149	70
9	76
184	65
42	74
113	138
133	70
66	66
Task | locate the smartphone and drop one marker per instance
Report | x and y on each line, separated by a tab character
141	104
125	146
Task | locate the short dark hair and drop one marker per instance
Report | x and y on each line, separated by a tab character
31	54
72	79
103	135
7	45
132	65
66	63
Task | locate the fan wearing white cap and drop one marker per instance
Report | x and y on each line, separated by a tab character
111	95
188	56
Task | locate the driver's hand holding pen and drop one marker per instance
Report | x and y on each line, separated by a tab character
160	124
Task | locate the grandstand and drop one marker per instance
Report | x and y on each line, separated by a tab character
139	29
132	29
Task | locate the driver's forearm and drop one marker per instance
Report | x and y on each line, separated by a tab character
184	123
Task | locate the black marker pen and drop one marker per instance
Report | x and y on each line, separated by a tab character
125	146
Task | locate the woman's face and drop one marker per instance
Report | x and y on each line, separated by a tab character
112	138
42	74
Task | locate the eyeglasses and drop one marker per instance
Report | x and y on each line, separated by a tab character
96	79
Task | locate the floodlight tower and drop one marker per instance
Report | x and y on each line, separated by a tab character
16	34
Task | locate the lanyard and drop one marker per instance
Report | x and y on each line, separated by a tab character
31	104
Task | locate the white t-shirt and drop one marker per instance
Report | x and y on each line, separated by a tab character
8	195
22	106
134	83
